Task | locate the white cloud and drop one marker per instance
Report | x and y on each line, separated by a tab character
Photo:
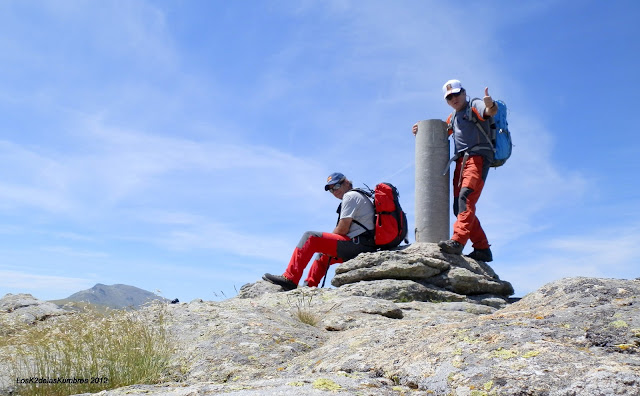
41	286
609	249
609	252
185	232
73	252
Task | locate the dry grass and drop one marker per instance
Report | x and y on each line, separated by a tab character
88	352
302	308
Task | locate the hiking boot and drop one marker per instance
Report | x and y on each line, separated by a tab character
481	255
280	280
451	246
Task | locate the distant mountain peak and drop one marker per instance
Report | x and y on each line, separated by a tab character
114	296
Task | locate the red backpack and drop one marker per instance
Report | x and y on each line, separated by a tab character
390	227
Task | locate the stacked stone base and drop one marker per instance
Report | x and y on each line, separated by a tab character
421	272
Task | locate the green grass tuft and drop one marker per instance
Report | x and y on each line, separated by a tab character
90	351
302	309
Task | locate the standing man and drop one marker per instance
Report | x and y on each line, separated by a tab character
473	157
350	237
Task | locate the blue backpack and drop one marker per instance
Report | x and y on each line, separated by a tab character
499	135
503	144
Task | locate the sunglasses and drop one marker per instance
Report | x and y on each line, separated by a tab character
335	187
454	95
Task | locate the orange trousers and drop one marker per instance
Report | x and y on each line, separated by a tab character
467	187
314	242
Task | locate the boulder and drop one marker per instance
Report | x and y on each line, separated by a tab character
26	308
421	272
400	291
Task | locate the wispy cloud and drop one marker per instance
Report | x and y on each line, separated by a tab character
73	252
609	251
22	282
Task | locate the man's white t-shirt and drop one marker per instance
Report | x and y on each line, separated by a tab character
359	208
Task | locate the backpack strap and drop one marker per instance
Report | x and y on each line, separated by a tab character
362	225
450	123
473	115
366	194
476	118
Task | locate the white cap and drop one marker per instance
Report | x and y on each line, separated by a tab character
451	86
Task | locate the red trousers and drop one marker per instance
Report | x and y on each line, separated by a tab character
467	188
310	243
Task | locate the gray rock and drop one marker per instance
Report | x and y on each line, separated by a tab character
253	290
407	263
386	270
421	272
464	281
576	336
557	341
400	291
26	308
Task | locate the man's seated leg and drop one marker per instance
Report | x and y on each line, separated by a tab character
319	269
310	243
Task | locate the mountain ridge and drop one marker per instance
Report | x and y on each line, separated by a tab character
116	296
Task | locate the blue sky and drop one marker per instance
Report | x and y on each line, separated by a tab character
182	146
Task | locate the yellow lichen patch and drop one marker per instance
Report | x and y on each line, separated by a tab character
462	336
479	393
487	385
240	388
531	354
297	383
457	363
624	347
504	353
326	385
618	324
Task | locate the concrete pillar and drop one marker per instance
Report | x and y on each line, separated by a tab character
432	188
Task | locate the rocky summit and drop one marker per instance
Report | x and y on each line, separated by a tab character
575	336
421	272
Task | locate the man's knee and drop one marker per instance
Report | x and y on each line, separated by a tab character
306	236
462	199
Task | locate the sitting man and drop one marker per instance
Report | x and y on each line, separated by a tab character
350	237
